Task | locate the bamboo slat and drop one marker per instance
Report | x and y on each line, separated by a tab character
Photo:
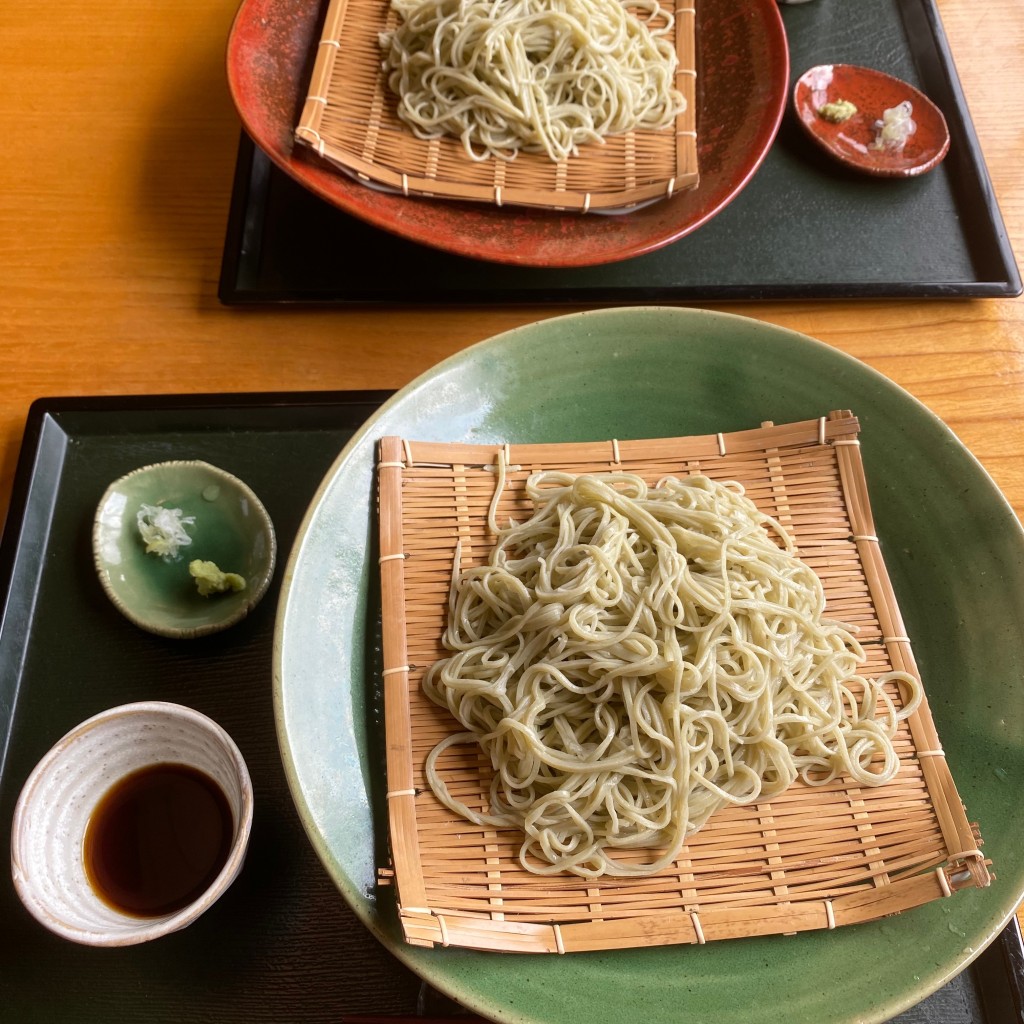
349	117
811	858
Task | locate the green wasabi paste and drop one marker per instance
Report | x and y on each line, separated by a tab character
211	580
837	111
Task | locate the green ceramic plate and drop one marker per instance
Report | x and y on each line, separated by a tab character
956	556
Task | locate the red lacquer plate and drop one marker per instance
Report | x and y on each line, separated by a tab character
855	142
743	76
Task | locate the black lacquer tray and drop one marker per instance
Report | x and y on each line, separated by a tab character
804	227
282	945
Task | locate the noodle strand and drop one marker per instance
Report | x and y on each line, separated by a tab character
632	659
534	75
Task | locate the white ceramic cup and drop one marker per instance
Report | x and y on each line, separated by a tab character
60	795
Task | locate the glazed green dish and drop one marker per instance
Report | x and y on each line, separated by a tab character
221	522
955	553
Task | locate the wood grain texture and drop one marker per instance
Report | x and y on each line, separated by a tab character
119	146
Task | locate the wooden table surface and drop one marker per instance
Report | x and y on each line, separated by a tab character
119	142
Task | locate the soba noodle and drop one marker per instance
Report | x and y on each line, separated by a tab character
633	659
533	75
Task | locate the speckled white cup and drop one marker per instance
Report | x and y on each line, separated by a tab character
60	795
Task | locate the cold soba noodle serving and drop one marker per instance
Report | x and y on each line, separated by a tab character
632	659
541	76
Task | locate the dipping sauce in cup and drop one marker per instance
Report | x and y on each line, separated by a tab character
132	825
158	839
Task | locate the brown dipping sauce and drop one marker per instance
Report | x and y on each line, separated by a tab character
157	839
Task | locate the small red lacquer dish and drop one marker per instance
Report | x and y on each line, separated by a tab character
870	121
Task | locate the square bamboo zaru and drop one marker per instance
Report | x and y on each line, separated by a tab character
349	117
815	857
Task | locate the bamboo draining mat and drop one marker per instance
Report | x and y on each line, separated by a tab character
811	858
349	118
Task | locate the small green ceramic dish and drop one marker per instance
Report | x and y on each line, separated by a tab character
226	524
953	548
